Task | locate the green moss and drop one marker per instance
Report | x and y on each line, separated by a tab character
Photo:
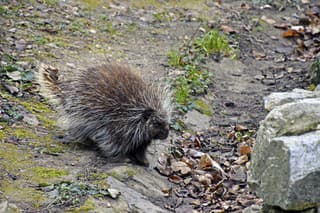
41	111
23	133
13	159
92	4
35	106
186	4
48	173
131	172
203	107
162	17
132	27
18	192
3	135
3	10
86	207
122	173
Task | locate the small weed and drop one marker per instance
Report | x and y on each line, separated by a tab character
315	72
3	10
132	27
162	17
108	27
40	40
174	58
68	194
92	4
195	80
214	42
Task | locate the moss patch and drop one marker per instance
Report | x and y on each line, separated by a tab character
87	206
203	107
46	173
24	194
122	173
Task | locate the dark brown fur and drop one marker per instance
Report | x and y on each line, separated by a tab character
112	106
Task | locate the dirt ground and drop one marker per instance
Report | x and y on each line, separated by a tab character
38	173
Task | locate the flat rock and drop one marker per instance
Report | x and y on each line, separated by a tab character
136	201
280	98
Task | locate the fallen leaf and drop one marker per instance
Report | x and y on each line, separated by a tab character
163	159
240	128
206	162
227	29
268	20
281	26
114	193
194	153
181	167
230	135
205	180
299	29
290	33
166	191
245	6
196	202
175	179
241	160
15	75
258	55
244	149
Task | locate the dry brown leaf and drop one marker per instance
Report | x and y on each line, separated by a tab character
258	55
175	179
245	6
230	135
240	128
206	162
205	179
281	26
196	202
181	167
163	159
163	170
244	149
227	29
188	161
166	191
268	20
241	160
290	33
194	153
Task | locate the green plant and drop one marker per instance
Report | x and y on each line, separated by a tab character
162	17
174	58
214	42
315	72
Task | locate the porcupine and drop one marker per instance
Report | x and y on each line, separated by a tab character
112	106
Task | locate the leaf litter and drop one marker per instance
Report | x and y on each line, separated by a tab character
210	175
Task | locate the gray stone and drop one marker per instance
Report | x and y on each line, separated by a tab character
196	120
253	209
285	166
280	98
137	202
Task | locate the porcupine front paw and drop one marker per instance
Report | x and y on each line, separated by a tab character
139	157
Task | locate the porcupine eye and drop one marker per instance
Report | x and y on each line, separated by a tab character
160	130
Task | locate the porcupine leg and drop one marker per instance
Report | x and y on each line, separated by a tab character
139	156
